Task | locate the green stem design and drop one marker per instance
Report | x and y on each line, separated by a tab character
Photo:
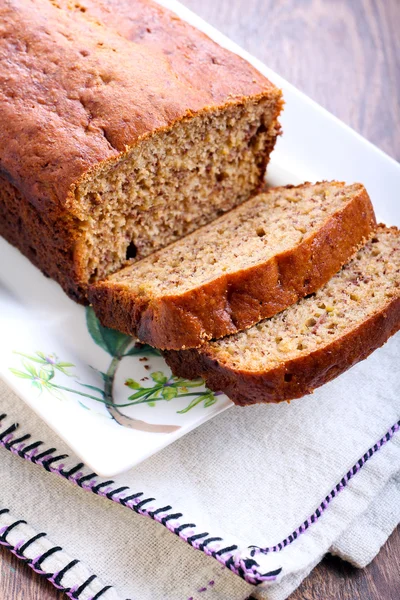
191	405
113	409
41	369
145	399
67	389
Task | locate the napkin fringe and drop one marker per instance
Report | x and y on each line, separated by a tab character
244	566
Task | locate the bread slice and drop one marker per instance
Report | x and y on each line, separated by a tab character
245	266
123	128
311	342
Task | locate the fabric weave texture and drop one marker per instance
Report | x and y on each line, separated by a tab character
264	492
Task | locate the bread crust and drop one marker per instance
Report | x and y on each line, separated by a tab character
78	94
293	378
78	90
236	301
50	244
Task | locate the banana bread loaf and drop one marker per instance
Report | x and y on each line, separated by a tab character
311	342
123	129
243	267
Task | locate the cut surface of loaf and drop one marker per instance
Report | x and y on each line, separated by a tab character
123	129
311	342
247	265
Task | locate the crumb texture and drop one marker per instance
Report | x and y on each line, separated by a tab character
267	225
245	266
313	341
126	126
362	287
173	183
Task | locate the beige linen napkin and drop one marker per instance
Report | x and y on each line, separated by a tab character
264	492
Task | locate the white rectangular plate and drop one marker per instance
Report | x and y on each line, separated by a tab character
69	370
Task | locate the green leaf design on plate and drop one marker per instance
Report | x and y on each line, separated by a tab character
142	350
20	374
210	401
30	368
63	366
49	361
142	392
159	377
131	383
39	359
191	405
113	342
46	375
83	405
41	370
169	392
92	387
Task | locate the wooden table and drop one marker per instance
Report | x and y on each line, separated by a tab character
345	54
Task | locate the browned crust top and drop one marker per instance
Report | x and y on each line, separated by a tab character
235	301
81	83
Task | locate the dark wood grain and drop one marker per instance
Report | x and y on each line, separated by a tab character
345	54
334	579
19	582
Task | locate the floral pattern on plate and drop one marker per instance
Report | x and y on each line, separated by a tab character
42	369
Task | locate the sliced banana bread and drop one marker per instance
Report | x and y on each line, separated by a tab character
123	128
311	342
247	265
